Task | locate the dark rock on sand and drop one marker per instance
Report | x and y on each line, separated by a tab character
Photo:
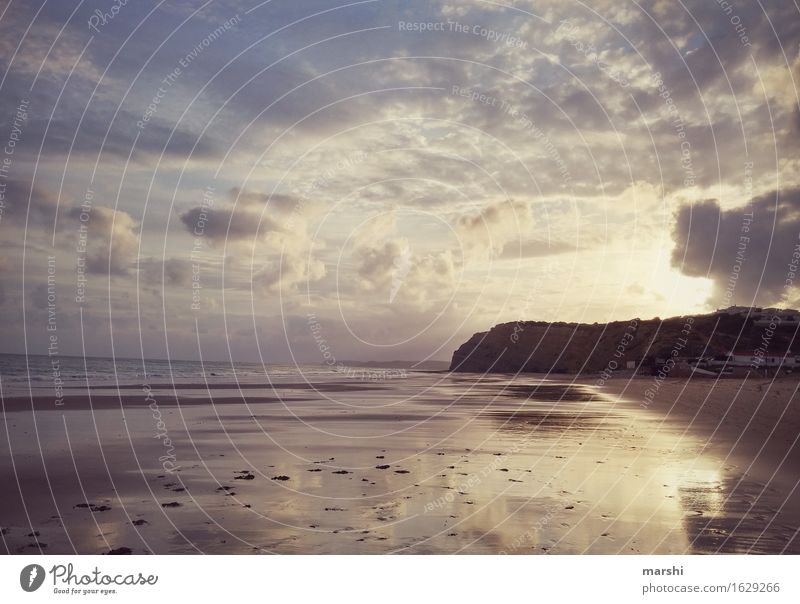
121	551
282	477
383	467
94	507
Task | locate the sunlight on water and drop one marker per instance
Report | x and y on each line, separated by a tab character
429	463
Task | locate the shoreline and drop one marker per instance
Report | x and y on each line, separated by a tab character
751	424
466	463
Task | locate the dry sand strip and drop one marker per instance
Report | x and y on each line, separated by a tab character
319	387
114	397
747	416
127	401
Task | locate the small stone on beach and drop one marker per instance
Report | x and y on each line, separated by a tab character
121	551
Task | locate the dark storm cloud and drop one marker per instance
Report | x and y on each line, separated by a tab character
219	225
169	271
229	224
87	96
26	203
748	257
83	125
246	216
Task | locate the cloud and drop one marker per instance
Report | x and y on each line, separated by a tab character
248	217
48	51
252	218
535	248
397	276
431	277
780	83
112	240
274	226
495	226
288	272
112	237
229	224
747	257
390	268
173	271
22	200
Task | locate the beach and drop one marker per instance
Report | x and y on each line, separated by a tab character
429	462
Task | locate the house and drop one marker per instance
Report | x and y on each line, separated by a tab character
737	310
763	317
784	317
742	360
742	357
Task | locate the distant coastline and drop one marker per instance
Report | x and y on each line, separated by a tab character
732	342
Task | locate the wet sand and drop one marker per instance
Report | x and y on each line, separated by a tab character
432	463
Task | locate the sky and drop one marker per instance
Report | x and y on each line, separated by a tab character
322	181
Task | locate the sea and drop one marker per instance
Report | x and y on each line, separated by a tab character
307	459
19	373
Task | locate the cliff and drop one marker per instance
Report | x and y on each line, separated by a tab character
540	347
